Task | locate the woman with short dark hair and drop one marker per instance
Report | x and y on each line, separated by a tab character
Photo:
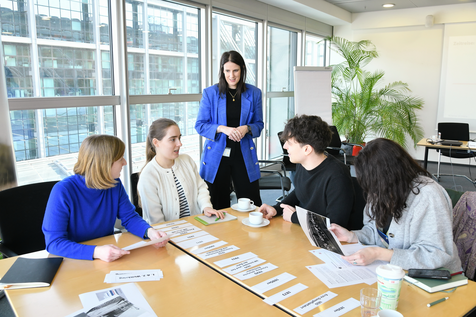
408	215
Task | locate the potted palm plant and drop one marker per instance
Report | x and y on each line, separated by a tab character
362	105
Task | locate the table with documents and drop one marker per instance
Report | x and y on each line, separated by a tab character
197	286
436	146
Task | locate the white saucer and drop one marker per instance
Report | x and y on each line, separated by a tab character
235	207
246	222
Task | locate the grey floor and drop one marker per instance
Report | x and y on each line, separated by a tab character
269	197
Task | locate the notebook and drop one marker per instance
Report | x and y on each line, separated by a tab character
434	285
29	273
214	219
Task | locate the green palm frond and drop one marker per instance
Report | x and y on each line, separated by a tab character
360	107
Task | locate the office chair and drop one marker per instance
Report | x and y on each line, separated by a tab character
273	177
21	218
453	131
335	148
135	195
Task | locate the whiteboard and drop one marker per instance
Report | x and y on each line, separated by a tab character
457	102
312	91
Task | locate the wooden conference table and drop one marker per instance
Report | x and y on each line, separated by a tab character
285	245
424	142
191	288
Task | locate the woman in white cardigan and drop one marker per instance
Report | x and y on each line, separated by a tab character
170	186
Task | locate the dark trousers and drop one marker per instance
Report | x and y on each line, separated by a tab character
232	169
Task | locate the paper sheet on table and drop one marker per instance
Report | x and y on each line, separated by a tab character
245	265
110	307
315	302
182	231
129	292
336	260
171	224
190	236
333	277
209	247
255	271
129	276
142	244
217	252
235	259
315	227
340	309
197	241
272	283
293	290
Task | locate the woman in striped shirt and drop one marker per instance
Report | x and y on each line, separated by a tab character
170	186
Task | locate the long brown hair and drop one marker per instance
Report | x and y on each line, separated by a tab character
387	174
234	57
157	130
95	158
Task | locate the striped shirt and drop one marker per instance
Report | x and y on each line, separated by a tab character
184	209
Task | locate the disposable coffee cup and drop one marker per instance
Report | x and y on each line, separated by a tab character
244	203
389	283
389	313
256	218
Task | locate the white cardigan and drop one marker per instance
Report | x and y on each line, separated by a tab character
158	193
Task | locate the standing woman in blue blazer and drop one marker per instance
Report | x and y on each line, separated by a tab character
230	116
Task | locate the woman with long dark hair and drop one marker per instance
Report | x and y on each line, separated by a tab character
230	116
408	215
169	185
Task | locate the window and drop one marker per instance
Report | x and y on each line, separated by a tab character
316	51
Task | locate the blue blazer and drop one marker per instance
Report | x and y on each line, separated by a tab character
212	113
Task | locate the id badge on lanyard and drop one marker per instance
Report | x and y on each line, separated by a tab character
383	238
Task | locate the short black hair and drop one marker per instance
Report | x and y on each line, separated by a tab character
310	130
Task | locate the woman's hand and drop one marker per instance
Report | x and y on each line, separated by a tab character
210	212
343	234
234	134
155	234
108	253
368	255
287	212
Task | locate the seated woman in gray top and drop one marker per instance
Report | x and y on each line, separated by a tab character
408	215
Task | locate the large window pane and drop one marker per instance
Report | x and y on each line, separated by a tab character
232	34
141	116
46	141
18	70
66	71
279	111
315	51
282	57
65	20
14	17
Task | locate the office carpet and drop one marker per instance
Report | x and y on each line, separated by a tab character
269	197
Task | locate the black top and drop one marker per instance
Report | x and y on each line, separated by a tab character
326	190
233	114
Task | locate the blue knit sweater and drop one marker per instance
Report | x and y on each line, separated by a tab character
75	213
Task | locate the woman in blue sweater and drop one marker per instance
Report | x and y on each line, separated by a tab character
85	206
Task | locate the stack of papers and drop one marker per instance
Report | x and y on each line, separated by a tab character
133	276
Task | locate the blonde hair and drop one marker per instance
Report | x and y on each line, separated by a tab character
95	158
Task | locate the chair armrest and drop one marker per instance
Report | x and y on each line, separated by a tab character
6	251
283	167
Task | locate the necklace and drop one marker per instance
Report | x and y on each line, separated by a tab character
233	96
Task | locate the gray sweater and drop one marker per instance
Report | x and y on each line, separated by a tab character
423	237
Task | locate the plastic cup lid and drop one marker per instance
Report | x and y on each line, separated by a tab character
390	271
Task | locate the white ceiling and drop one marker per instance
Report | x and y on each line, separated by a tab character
338	12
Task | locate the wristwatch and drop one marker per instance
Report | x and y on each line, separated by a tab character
146	236
249	129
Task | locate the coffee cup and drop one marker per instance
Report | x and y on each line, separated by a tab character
389	313
389	283
244	203
255	218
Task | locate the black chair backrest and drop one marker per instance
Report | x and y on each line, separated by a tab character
356	221
135	195
454	131
335	141
21	217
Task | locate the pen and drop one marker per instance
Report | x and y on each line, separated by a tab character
457	273
437	301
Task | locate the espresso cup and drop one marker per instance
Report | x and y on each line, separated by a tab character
256	218
244	203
